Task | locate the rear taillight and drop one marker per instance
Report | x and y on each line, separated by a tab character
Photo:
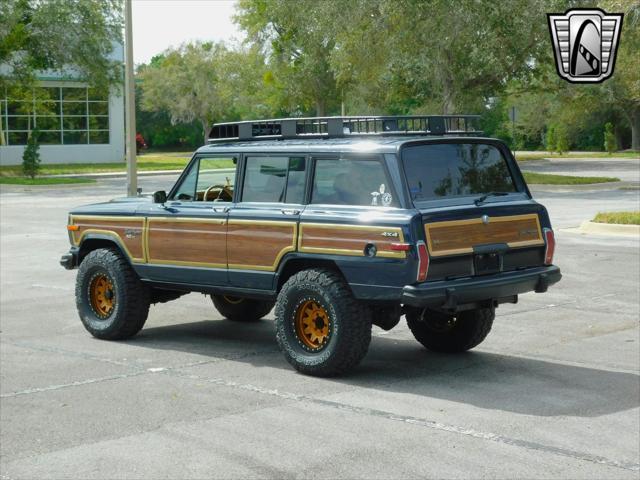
550	241
423	261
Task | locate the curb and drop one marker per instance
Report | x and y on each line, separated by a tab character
609	229
622	185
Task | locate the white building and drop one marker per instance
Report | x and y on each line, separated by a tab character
77	124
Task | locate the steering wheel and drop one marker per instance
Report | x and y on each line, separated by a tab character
224	190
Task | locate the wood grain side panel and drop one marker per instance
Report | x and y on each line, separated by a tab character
129	231
349	239
454	237
187	242
257	245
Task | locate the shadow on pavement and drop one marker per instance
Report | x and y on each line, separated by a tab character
485	380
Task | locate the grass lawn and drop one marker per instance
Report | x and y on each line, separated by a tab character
550	179
43	181
147	162
523	157
624	218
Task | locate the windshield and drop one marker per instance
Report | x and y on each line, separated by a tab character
455	169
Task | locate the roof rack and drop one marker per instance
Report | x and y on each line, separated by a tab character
333	127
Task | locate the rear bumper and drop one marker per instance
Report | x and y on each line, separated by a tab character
450	293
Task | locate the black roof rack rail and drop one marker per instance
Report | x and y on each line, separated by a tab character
334	127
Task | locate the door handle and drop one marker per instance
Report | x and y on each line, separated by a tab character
287	211
221	209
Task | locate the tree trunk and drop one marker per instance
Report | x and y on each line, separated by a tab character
634	120
617	131
320	107
205	130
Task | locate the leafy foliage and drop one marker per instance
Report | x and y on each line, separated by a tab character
203	82
609	138
54	34
399	57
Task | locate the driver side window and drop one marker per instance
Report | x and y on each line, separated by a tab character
206	183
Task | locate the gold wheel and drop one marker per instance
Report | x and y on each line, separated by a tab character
102	295
312	324
232	300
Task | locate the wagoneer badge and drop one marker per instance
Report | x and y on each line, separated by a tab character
485	219
131	233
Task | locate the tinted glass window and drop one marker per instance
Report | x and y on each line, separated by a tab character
446	170
265	178
296	180
214	185
274	179
352	182
205	182
186	190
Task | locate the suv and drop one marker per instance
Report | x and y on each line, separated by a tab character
341	223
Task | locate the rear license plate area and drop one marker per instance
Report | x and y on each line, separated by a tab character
486	263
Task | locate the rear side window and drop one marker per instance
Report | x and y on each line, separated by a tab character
352	182
455	169
274	179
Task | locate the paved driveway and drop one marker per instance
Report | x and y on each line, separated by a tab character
554	392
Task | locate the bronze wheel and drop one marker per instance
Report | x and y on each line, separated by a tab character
112	301
312	325
241	309
321	329
102	295
232	300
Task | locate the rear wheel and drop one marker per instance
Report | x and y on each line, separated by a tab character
112	302
441	332
321	329
241	309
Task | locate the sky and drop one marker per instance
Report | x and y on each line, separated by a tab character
159	24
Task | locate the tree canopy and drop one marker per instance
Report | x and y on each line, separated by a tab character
58	35
403	57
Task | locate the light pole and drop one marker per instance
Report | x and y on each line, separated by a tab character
130	105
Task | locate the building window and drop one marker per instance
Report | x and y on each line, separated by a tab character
64	115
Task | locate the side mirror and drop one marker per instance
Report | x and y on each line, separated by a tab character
160	196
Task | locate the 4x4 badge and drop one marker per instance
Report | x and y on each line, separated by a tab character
585	42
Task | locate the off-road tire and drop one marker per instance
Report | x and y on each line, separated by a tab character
241	309
350	323
131	296
469	328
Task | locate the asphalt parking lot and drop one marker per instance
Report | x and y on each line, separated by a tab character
554	392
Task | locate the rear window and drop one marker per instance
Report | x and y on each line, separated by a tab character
455	169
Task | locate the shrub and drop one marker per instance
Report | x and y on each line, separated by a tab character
609	138
550	139
562	139
31	155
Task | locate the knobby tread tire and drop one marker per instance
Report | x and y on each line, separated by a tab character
469	331
246	311
132	302
351	320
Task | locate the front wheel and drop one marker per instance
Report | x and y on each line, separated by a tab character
321	329
240	309
112	302
441	332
